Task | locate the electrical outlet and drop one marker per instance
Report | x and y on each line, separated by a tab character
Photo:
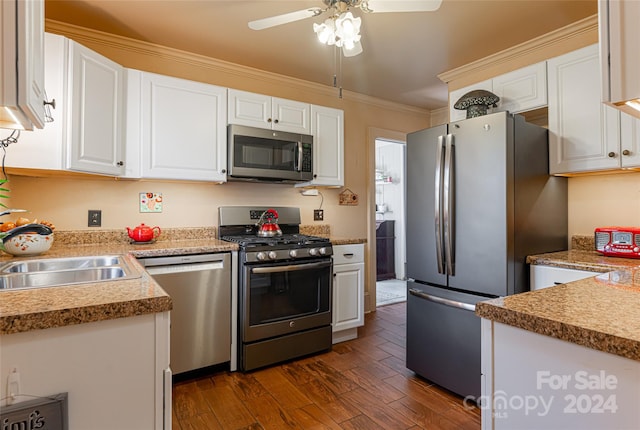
318	215
95	218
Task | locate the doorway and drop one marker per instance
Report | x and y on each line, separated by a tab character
390	186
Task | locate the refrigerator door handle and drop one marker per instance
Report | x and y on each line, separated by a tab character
438	206
440	300
448	208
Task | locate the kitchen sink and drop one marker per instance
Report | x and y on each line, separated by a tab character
40	273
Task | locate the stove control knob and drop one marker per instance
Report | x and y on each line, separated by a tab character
272	255
313	251
261	256
323	251
293	253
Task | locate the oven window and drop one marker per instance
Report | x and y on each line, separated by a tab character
264	154
288	294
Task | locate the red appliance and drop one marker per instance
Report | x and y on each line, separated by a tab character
618	241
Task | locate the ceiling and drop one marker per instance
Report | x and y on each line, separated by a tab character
403	52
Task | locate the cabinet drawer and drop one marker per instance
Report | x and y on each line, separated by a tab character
344	254
548	276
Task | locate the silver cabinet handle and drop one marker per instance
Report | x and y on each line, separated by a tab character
349	255
440	300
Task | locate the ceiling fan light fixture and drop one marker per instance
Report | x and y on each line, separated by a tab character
353	50
348	29
326	31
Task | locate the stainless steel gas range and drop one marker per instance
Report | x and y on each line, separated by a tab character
285	285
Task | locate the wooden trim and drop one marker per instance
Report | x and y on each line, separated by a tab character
538	44
95	37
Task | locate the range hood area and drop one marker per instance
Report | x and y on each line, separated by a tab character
22	92
619	47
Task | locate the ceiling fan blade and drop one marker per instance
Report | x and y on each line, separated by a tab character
403	5
261	24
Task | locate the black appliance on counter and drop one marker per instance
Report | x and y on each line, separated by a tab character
284	287
479	200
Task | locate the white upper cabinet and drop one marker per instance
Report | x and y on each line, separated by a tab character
257	110
584	134
87	129
96	123
176	128
619	48
22	64
523	89
327	128
519	91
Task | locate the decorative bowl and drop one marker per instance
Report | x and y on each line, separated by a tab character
31	239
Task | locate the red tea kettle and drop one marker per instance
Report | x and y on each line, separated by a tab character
143	233
268	224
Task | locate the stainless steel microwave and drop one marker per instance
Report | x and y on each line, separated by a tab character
267	155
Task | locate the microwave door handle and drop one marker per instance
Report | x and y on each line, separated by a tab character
299	161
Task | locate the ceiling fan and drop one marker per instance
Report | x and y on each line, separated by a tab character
341	28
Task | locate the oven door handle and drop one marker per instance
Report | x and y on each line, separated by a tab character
290	268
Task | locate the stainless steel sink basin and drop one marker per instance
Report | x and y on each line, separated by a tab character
51	264
51	272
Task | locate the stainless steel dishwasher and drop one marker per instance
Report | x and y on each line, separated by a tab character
200	288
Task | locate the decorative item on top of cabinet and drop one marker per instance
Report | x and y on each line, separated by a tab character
584	134
348	291
87	133
619	45
257	110
477	102
176	128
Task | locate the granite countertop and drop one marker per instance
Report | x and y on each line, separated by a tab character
41	308
602	312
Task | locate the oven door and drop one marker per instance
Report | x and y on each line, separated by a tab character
284	298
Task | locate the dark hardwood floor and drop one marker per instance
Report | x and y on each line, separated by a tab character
360	384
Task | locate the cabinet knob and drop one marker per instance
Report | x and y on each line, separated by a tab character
276	121
611	154
224	170
269	120
626	152
120	163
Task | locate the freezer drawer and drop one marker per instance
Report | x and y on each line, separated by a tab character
443	340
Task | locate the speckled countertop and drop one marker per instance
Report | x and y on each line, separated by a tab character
602	312
40	308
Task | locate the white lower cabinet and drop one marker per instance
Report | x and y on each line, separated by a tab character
547	276
532	381
116	372
348	291
176	128
87	133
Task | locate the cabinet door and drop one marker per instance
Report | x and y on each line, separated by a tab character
291	116
582	131
250	109
454	96
348	296
96	118
183	129
629	140
523	89
327	128
45	148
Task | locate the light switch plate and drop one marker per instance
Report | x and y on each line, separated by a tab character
318	215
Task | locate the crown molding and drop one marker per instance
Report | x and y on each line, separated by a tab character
100	38
540	43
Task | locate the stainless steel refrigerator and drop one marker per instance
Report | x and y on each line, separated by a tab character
479	200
